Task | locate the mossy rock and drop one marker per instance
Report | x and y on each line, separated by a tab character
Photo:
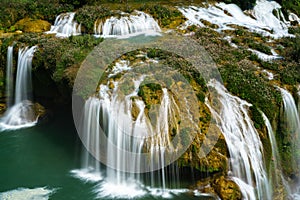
227	189
28	25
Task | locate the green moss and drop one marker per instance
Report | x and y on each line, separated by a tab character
257	118
245	84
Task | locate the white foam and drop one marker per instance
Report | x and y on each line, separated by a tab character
166	193
87	175
19	116
41	193
126	190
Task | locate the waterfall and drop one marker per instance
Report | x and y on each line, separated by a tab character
65	26
243	142
263	20
9	77
275	171
292	127
133	139
21	114
126	25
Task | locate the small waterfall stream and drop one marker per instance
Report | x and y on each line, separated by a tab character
126	25
21	113
276	177
243	142
9	77
292	126
65	26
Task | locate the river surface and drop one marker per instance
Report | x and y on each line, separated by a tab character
36	163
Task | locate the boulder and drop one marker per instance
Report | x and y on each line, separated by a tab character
28	25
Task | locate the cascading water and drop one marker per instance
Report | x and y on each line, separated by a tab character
127	25
9	77
65	26
276	177
292	126
21	114
243	142
264	21
132	129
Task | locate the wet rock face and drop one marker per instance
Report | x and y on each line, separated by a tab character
28	25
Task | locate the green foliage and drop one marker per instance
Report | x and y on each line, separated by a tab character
87	15
257	117
290	5
292	50
56	55
164	14
13	11
75	3
290	75
245	84
260	47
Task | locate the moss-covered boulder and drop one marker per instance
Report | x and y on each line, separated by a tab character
227	189
28	25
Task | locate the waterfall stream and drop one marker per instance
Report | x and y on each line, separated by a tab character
292	127
127	25
276	177
261	19
21	113
65	25
9	77
243	142
132	138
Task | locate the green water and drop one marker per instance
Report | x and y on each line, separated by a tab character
43	156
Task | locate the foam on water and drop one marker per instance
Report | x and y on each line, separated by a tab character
41	193
87	175
126	190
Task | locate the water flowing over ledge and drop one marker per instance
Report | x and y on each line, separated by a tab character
292	125
65	25
243	142
127	25
21	114
261	19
